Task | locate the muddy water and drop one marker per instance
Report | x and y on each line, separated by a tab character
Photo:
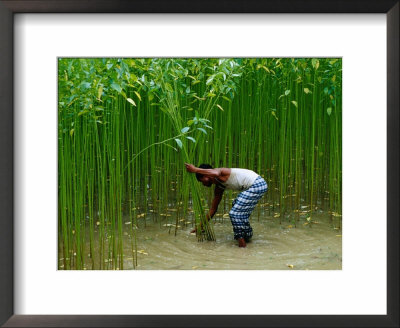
274	246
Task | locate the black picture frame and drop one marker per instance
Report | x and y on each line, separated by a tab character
7	10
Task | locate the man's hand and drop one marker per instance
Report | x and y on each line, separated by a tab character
190	168
195	230
208	217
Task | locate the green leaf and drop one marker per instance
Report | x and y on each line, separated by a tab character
100	92
262	66
109	65
315	63
198	98
192	139
329	111
190	122
185	129
202	130
220	107
179	143
85	85
210	79
131	101
116	87
287	92
138	95
307	90
294	103
168	87
83	112
71	132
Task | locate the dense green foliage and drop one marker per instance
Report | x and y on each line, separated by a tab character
126	127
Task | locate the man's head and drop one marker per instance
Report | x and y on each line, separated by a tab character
205	180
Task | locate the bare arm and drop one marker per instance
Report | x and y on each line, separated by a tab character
222	174
214	206
218	192
214	173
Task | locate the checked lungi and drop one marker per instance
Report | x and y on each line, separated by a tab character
242	207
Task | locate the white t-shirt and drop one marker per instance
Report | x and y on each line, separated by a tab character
240	179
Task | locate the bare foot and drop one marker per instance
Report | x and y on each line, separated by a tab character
242	242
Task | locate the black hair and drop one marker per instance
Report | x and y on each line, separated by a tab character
202	166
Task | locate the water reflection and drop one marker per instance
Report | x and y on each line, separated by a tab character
274	246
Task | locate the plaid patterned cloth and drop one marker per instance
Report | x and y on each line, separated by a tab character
242	207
